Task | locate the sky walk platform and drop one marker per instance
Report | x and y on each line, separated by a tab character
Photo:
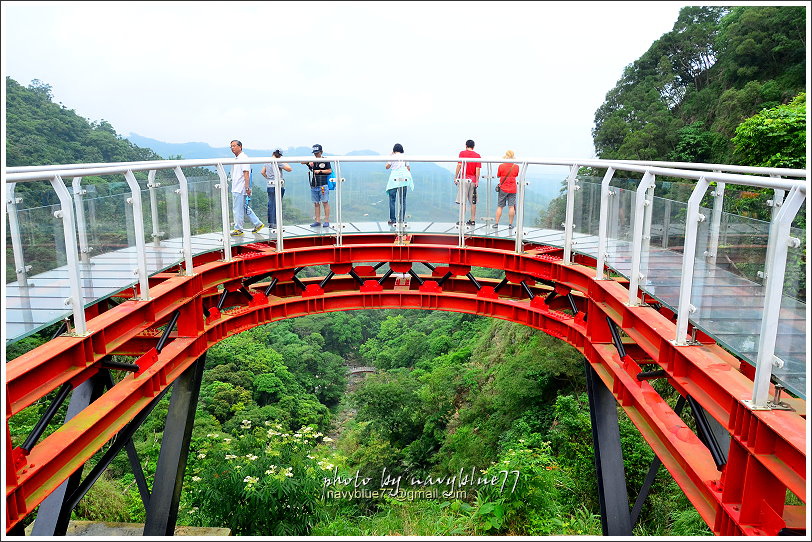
729	307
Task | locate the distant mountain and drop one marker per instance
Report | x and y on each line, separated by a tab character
544	187
194	150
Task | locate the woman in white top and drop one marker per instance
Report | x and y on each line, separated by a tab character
399	178
269	172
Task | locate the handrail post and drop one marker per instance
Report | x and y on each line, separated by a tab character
520	184
461	195
81	223
76	299
569	220
338	224
776	266
16	238
641	203
140	243
225	212
277	194
186	223
718	194
603	223
153	207
692	221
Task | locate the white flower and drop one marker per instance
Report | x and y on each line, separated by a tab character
327	439
226	440
201	456
237	467
250	480
252	457
311	456
196	478
230	456
212	435
246	423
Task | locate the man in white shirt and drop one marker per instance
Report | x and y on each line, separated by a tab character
241	192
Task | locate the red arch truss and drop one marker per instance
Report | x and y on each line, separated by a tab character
767	454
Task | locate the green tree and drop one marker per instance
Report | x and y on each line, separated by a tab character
774	137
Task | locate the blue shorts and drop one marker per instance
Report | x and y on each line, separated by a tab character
319	194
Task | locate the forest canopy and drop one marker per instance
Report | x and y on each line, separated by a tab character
685	97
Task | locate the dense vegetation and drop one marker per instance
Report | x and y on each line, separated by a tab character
685	97
277	429
40	132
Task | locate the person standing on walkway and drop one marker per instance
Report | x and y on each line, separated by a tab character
269	171
400	178
507	174
468	182
320	171
241	192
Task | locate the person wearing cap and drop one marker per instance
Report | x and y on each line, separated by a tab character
320	171
241	192
507	174
468	182
273	172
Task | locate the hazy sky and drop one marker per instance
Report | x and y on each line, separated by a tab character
527	76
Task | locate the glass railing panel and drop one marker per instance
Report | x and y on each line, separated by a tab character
544	205
205	213
163	225
791	343
586	216
620	226
297	207
42	240
365	200
109	216
743	246
487	200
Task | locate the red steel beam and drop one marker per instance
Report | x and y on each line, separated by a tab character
768	444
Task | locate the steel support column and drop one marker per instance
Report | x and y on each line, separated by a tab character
54	513
162	512
612	495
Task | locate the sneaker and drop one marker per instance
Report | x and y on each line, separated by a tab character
258	227
510	226
391	222
315	224
494	225
325	224
272	226
471	222
236	232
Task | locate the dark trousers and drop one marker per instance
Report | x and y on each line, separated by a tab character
272	205
400	195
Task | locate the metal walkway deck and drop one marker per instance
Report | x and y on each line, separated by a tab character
729	307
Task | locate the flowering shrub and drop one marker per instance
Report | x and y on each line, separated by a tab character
265	481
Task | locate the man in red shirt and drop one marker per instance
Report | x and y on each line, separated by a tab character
469	181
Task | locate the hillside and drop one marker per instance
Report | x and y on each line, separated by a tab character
40	132
684	98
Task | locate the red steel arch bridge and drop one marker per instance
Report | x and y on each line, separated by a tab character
137	259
